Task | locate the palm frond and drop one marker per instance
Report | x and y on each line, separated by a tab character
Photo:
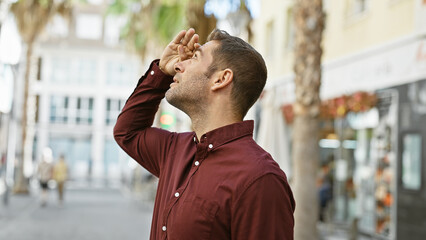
32	16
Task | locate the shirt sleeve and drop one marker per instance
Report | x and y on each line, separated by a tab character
133	131
264	211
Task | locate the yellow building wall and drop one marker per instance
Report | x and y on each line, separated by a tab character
382	21
345	34
270	37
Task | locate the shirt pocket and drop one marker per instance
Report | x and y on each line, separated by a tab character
194	218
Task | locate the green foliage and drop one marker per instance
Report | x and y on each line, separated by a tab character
149	23
140	40
121	7
169	20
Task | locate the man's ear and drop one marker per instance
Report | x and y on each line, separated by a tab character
224	78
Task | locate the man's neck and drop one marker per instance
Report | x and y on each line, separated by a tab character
207	122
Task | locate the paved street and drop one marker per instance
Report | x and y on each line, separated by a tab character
92	213
86	214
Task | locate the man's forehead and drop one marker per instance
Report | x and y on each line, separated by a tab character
207	47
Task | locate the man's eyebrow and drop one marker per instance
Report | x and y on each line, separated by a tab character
199	50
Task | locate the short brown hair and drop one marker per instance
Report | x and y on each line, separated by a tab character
247	65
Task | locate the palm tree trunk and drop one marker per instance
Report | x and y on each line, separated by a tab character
309	21
21	185
202	24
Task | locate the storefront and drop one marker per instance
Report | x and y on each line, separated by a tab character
411	160
378	180
361	152
374	149
358	149
378	184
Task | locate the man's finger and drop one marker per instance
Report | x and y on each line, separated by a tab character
193	41
188	36
181	52
179	37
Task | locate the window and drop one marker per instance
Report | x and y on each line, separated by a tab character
37	112
58	27
85	71
326	5
411	161
290	33
360	6
84	111
76	71
39	65
77	152
121	74
59	109
270	36
114	107
89	26
112	156
112	29
61	71
356	7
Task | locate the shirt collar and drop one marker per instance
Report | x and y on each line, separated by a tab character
228	133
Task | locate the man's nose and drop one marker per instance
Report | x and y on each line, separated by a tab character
179	67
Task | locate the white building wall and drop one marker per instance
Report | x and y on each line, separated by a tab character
97	132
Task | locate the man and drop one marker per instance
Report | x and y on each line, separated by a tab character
44	174
215	182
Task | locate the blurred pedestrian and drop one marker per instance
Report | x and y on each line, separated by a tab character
60	175
325	190
215	182
44	174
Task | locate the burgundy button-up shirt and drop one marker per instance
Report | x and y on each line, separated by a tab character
222	186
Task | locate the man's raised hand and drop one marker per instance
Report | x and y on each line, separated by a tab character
181	48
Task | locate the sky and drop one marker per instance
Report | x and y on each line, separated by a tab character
220	8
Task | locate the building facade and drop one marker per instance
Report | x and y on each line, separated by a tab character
84	76
377	154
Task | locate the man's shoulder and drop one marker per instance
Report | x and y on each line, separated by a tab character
256	162
255	156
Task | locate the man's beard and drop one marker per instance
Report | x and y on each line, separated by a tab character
175	99
191	98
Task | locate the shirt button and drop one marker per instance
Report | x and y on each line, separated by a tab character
152	72
210	146
164	228
197	163
195	139
176	194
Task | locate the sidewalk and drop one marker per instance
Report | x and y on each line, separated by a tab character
102	213
87	213
18	205
329	231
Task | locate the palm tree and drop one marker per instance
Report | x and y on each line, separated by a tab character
153	24
32	16
197	19
149	24
309	22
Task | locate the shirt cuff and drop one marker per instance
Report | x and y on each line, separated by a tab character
155	77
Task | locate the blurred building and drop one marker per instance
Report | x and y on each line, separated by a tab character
373	112
83	77
10	51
